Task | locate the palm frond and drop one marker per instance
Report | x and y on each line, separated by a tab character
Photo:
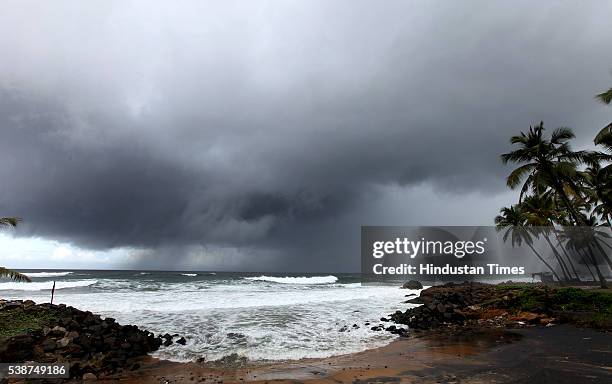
9	221
605	97
604	137
14	275
561	134
517	175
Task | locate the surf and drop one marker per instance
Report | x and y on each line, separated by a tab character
302	280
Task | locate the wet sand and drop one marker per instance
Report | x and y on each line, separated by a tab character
558	354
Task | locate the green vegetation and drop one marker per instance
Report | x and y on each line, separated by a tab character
20	321
575	299
564	196
545	299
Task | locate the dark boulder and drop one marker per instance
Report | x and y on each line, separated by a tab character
412	284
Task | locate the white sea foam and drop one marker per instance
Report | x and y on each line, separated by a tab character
189	274
47	274
303	280
251	317
46	285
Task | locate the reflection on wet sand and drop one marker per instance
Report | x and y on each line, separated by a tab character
557	354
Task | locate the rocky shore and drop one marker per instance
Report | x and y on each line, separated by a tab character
505	305
450	316
93	346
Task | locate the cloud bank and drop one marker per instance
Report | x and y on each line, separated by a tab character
262	135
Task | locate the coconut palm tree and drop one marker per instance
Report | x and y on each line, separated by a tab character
546	164
597	188
513	221
604	138
540	213
4	272
583	240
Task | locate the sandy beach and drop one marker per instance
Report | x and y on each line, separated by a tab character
462	333
557	354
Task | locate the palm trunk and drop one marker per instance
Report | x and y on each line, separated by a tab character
602	279
607	245
564	268
567	256
544	261
586	264
566	201
605	256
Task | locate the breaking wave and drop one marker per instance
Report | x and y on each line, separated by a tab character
47	285
47	274
304	280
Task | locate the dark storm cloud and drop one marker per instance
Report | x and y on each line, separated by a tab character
276	128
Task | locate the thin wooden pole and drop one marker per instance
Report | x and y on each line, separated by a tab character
52	291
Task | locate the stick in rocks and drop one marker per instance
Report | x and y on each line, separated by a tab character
52	291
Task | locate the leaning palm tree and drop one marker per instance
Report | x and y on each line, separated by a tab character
546	164
4	272
583	240
541	213
513	221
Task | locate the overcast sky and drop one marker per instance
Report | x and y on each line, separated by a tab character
260	135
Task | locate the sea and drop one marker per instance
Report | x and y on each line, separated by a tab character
261	317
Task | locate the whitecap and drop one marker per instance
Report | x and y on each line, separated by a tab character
189	274
304	280
47	274
46	285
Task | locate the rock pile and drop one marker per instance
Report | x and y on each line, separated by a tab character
442	304
484	304
58	333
